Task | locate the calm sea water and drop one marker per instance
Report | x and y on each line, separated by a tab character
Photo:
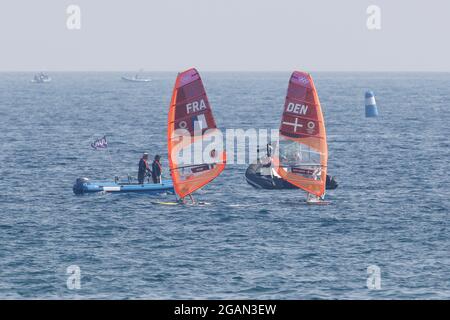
390	210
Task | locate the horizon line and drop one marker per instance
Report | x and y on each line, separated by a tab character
231	71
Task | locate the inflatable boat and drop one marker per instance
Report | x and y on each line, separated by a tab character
262	177
84	185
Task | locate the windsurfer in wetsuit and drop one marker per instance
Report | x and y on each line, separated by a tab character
156	169
268	156
183	200
143	168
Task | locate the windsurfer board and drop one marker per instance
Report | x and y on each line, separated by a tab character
165	203
169	203
318	203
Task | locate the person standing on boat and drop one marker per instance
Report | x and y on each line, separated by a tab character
143	168
156	169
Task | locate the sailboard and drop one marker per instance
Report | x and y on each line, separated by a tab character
302	153
165	203
193	162
172	203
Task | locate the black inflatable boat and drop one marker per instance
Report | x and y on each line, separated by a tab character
258	180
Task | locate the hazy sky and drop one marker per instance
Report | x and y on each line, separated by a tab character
260	35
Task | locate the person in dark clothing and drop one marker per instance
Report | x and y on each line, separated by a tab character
156	170
143	168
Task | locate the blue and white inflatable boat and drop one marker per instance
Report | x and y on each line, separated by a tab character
84	185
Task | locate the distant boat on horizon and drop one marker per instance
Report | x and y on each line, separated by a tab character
136	78
41	77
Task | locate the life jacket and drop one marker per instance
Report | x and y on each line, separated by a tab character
146	164
159	165
144	168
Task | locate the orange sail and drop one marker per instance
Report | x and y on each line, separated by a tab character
190	123
302	150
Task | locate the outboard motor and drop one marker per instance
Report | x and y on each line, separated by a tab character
78	186
331	183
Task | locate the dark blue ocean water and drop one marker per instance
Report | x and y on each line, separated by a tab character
391	208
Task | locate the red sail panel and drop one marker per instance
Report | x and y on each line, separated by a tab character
303	153
190	114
